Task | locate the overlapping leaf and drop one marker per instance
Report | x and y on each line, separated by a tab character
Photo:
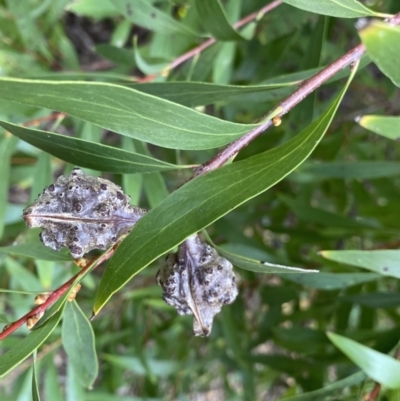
142	13
26	346
385	262
78	342
334	8
387	126
380	367
126	111
214	20
88	154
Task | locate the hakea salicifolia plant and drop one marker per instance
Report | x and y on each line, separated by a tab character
82	213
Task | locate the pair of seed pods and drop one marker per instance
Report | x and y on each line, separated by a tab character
82	213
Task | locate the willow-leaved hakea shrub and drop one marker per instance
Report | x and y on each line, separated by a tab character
233	161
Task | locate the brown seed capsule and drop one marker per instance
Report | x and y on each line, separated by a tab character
81	213
197	281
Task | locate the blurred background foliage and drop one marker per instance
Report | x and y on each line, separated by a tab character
271	344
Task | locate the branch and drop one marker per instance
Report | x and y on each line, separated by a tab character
197	50
307	87
56	294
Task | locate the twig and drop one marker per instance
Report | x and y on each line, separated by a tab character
373	395
37	121
56	294
197	50
286	105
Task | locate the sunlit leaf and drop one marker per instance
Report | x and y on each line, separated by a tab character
387	126
380	367
385	262
383	46
334	8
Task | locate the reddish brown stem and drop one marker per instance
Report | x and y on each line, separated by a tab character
197	50
40	120
56	294
286	105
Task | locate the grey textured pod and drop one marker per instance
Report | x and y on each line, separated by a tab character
196	280
82	213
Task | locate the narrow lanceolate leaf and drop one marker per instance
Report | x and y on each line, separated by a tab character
331	281
335	387
334	8
35	388
383	46
126	111
142	13
25	347
78	341
387	126
257	266
349	170
385	262
203	200
214	20
194	94
380	367
88	154
35	250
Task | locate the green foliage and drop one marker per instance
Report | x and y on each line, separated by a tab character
307	212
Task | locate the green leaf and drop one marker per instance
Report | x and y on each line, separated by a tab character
215	21
320	216
35	388
35	250
88	154
203	200
93	9
78	341
320	394
126	111
42	173
25	347
385	262
374	299
194	94
142	13
380	367
348	170
383	46
7	145
387	126
154	184
257	266
331	281
148	66
334	8
158	368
